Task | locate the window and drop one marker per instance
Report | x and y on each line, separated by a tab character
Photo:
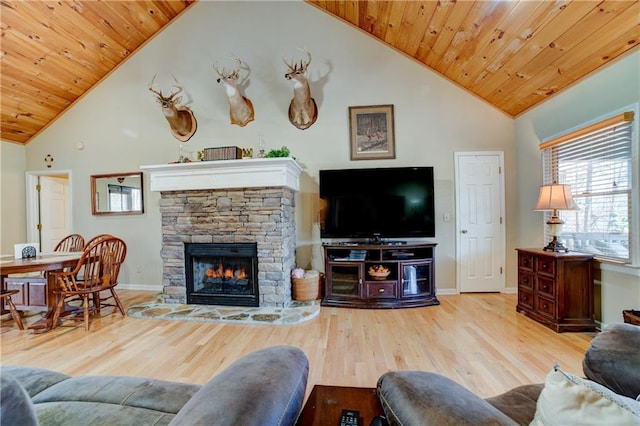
124	198
597	163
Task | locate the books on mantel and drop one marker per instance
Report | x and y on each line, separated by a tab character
222	153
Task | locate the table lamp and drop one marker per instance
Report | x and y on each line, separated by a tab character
553	198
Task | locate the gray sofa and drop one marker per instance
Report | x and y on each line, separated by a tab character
266	387
421	398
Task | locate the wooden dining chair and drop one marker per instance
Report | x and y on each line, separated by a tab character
98	262
119	253
100	301
73	242
5	296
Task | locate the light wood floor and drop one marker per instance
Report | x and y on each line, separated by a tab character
476	339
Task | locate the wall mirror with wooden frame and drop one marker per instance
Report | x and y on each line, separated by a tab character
117	193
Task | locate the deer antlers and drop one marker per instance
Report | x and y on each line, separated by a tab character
159	93
233	74
295	67
224	74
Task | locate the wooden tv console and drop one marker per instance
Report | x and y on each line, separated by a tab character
410	283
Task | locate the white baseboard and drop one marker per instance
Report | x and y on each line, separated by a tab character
450	291
157	288
600	325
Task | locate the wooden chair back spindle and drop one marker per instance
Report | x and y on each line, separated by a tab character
96	238
73	242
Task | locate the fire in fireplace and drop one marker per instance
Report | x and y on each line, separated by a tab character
222	273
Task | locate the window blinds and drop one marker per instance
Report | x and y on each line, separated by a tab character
598	166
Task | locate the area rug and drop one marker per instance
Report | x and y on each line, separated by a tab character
295	313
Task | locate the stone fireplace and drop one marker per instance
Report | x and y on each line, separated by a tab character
229	202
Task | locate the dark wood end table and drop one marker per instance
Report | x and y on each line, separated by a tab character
325	404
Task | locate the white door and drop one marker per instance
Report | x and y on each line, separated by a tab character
49	201
480	221
54	211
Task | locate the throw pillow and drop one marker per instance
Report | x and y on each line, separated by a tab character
570	400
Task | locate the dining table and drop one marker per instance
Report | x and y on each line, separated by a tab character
42	263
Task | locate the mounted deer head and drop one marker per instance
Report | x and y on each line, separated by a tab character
181	120
240	108
303	111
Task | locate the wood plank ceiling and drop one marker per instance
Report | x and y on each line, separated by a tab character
513	54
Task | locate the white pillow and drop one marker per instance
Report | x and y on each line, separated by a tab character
570	400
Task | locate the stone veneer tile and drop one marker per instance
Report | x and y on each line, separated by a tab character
265	216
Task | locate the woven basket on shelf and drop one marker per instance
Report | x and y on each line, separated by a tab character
304	289
631	317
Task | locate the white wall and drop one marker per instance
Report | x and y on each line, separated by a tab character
121	126
615	88
12	196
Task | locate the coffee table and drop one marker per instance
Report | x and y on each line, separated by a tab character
325	404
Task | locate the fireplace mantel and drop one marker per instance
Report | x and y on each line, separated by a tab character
225	174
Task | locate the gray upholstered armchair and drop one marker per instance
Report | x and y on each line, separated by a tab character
607	395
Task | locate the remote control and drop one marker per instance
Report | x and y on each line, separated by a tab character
350	418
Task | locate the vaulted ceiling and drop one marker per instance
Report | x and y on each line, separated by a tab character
513	54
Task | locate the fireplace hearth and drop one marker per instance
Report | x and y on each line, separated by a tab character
222	274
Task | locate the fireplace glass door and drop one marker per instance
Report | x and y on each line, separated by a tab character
222	274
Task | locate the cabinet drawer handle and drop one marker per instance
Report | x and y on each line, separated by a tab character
525	298
526	280
545	306
545	266
381	290
544	287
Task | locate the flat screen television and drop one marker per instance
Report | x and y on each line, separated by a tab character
377	203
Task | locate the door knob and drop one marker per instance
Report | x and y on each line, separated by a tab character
464	231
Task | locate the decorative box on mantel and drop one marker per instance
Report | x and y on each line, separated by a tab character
227	174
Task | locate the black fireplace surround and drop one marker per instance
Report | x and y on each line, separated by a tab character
222	274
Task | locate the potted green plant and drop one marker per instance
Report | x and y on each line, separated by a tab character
275	153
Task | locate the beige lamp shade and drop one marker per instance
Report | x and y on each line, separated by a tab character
555	197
